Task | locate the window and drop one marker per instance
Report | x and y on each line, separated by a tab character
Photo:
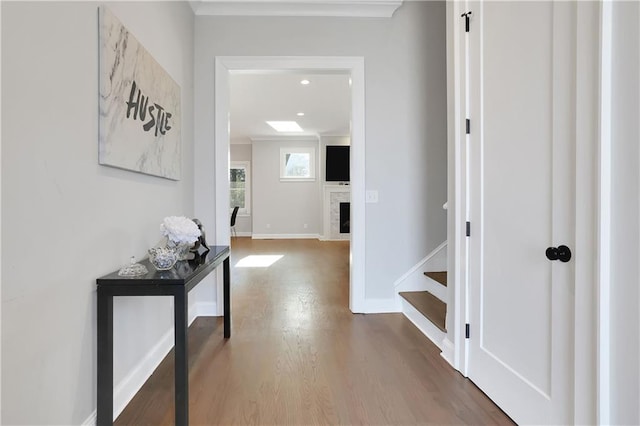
298	164
240	189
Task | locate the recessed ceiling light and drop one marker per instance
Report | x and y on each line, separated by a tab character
304	82
300	114
285	126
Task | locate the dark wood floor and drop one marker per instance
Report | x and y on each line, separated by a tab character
298	356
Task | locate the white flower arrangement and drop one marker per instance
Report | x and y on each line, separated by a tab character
180	230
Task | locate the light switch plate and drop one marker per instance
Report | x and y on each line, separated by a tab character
371	196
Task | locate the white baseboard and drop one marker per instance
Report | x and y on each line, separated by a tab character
243	234
91	420
448	350
380	306
124	391
285	236
128	387
203	309
335	239
424	325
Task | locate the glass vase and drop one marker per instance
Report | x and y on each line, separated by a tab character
163	258
182	250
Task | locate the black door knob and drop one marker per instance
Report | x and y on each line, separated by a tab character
561	253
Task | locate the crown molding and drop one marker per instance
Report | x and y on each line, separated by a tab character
297	8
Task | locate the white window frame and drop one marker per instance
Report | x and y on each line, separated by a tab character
246	165
298	150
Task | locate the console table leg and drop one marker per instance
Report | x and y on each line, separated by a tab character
104	415
181	361
226	290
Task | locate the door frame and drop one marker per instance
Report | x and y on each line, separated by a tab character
590	308
455	346
354	67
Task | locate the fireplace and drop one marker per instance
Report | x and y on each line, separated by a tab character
337	219
345	218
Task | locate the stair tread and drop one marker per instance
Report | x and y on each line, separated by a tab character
440	277
429	306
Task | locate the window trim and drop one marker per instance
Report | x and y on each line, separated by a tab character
298	150
246	165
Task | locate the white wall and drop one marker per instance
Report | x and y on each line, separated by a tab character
405	78
625	213
68	220
242	152
283	208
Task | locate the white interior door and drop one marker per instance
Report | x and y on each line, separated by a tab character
521	201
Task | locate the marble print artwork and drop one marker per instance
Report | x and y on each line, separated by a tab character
139	106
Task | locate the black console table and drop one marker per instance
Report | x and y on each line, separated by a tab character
176	282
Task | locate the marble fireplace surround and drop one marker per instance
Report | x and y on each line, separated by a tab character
333	196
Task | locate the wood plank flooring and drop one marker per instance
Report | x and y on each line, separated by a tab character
298	356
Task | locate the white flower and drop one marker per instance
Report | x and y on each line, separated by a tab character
180	230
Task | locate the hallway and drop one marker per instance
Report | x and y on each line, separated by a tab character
298	356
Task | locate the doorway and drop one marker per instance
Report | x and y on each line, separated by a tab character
354	67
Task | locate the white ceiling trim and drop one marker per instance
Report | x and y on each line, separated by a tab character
316	8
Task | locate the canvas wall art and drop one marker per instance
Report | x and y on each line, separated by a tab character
140	114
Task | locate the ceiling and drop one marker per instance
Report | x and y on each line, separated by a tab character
260	97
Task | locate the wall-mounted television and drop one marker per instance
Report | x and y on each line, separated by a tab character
337	163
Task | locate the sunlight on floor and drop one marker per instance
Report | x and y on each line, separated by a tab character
259	261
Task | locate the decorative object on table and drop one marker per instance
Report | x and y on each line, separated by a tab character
182	250
183	268
199	258
133	269
163	258
202	239
140	106
181	234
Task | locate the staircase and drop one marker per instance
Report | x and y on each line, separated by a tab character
427	304
422	296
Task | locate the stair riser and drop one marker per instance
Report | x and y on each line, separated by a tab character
420	282
423	324
429	306
435	288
